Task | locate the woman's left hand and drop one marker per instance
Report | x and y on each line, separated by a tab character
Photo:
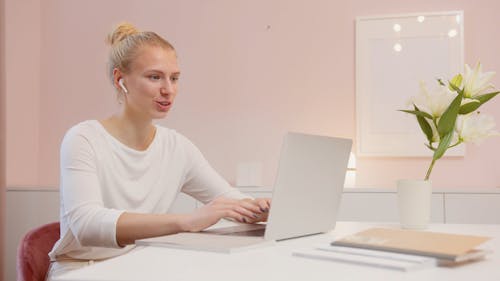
264	204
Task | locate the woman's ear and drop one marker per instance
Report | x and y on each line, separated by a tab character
118	80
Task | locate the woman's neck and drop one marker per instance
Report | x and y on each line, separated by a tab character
134	133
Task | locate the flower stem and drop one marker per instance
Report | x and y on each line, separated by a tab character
430	169
458	142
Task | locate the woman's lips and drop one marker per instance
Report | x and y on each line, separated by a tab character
163	105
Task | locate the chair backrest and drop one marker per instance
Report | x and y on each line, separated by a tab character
32	253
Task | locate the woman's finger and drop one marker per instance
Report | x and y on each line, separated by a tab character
251	205
237	211
263	203
245	212
232	214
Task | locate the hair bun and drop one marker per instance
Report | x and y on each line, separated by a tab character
120	32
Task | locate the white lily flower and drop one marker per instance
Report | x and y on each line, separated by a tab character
472	127
475	127
436	102
475	81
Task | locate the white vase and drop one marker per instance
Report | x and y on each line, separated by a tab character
414	202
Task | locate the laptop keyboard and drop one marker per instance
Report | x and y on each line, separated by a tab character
255	232
240	230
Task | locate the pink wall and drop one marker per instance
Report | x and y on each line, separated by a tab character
251	71
22	47
2	137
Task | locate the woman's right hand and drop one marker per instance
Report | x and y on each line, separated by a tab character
244	210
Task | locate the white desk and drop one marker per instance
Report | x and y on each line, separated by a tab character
277	262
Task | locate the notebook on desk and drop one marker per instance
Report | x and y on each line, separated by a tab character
306	194
449	248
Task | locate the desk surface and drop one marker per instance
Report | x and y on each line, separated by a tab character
277	262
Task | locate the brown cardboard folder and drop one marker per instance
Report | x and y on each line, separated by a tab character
454	248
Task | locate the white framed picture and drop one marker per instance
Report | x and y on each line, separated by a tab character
393	54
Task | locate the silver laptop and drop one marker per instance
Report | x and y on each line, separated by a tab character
307	189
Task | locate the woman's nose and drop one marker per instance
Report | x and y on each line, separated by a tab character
167	88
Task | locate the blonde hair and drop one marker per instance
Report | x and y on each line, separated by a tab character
125	41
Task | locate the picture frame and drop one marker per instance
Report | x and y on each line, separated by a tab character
394	53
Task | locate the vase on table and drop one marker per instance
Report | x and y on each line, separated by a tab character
414	203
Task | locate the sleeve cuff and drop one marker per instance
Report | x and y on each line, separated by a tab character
109	222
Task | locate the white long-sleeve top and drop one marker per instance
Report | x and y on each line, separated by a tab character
101	178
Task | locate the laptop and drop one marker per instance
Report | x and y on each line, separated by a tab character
307	190
305	199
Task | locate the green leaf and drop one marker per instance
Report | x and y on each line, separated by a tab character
486	97
424	125
430	147
469	107
443	146
472	106
447	121
418	113
456	82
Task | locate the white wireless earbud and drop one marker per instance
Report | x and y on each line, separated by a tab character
120	82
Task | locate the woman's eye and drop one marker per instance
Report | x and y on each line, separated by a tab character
154	77
175	78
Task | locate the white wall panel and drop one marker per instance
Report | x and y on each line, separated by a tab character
472	208
26	209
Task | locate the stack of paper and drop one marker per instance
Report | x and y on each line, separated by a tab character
387	260
400	249
449	249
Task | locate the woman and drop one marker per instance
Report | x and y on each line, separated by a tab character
120	175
